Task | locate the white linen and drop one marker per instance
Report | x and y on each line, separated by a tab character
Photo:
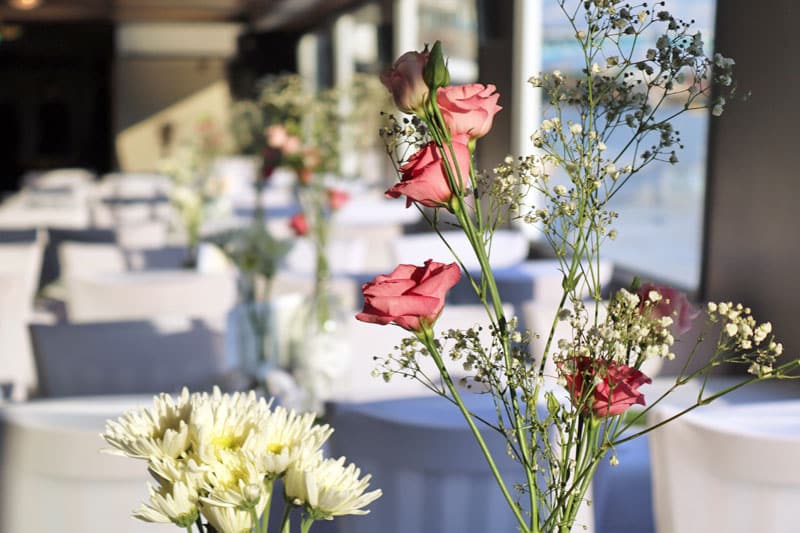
366	210
53	476
509	248
19	278
89	258
147	294
371	341
731	468
423	456
130	357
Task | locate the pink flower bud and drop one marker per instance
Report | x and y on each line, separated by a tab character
404	80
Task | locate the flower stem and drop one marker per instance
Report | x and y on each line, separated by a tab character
305	525
285	519
426	337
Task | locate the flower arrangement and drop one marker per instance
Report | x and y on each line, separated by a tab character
215	459
196	192
256	255
563	413
289	126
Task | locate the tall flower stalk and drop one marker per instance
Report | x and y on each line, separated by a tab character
558	424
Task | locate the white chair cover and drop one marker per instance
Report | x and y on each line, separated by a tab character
378	238
509	248
345	256
54	477
142	234
730	468
147	294
24	260
423	456
369	341
19	278
129	357
87	259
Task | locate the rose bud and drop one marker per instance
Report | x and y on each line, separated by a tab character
616	390
404	81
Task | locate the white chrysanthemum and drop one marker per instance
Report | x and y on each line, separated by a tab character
228	519
235	482
176	504
170	470
283	437
155	432
328	488
223	422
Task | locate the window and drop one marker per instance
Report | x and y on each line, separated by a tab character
660	226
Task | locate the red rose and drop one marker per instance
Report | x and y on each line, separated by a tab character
337	198
468	109
424	178
411	297
673	304
616	391
299	224
404	81
271	160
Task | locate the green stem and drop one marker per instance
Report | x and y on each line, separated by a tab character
267	507
426	337
285	522
305	525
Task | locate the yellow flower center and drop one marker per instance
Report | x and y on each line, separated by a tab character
227	441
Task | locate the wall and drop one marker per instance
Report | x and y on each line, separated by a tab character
158	65
752	246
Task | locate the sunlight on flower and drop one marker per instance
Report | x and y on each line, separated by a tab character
328	487
178	506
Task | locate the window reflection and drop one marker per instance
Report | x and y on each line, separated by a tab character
660	226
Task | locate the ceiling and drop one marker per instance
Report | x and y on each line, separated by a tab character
266	14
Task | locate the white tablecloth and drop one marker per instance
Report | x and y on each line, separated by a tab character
53	476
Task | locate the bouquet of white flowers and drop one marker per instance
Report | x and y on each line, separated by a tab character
216	457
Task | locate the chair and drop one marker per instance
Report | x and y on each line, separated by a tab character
369	341
16	361
728	468
345	256
86	259
25	260
424	458
53	476
18	235
51	269
508	248
142	234
129	357
148	294
19	273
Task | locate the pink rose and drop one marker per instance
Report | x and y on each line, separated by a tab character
337	198
673	304
468	109
616	391
299	224
276	135
411	297
404	81
424	178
